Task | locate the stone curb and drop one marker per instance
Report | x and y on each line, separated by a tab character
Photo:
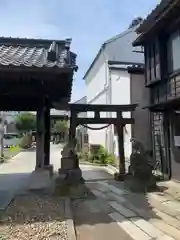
111	169
92	164
69	220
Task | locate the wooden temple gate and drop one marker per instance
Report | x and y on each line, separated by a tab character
34	73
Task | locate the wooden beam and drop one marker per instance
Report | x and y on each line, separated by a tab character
96	107
116	121
60	117
51	70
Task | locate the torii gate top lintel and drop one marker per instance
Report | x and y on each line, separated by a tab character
97	109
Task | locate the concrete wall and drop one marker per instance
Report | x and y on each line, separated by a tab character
98	136
140	95
96	92
96	79
120	82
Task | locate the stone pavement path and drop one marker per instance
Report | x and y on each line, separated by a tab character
93	223
91	214
136	215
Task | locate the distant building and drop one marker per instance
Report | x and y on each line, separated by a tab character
109	81
9	118
160	36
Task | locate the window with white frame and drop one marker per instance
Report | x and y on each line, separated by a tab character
174	52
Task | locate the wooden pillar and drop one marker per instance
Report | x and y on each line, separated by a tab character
47	136
72	135
72	127
40	138
120	133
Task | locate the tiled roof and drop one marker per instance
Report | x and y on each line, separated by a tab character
161	7
35	55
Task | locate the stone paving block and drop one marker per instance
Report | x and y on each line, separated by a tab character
102	188
166	218
98	206
166	228
122	210
147	227
114	189
158	197
142	212
39	179
163	207
165	237
112	196
172	204
5	198
97	193
135	232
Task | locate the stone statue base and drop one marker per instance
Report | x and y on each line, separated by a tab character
49	168
137	185
72	176
119	176
69	181
69	165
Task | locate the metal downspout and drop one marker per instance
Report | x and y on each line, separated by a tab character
111	142
106	87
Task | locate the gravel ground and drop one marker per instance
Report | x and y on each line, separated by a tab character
34	217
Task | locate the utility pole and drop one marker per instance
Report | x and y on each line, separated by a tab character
2	116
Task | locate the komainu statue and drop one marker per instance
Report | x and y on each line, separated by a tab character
140	176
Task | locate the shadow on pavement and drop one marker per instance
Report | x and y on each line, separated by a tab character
95	175
91	214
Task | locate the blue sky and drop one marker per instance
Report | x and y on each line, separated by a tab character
88	22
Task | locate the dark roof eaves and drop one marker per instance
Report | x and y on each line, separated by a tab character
158	10
13	41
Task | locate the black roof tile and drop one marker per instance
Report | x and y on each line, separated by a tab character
36	53
161	7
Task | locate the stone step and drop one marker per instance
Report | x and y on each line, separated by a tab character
165	204
40	180
166	228
5	198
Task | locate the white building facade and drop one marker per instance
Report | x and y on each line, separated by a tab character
108	82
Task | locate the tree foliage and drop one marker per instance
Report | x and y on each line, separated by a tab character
60	126
25	122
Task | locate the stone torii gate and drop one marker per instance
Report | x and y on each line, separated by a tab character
68	161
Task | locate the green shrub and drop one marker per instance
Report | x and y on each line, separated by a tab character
98	154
